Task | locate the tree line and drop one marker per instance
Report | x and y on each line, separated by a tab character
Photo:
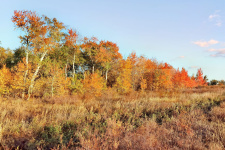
54	60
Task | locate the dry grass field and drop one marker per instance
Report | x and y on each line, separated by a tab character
189	119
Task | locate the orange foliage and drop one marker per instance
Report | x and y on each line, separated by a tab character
5	81
44	34
182	80
150	67
91	49
199	78
166	76
143	84
94	84
108	52
71	39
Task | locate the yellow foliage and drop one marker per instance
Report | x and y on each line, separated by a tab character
42	87
56	84
76	85
123	82
94	84
5	81
143	84
60	83
18	84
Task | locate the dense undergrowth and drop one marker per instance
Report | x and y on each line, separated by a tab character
189	119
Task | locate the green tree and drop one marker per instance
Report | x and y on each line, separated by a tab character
213	82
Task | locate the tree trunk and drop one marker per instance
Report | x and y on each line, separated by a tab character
25	74
74	57
93	69
83	71
66	70
35	74
106	75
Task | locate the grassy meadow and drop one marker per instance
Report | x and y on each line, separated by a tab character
184	119
70	77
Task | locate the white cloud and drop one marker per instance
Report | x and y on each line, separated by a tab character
201	44
211	42
215	17
206	43
217	52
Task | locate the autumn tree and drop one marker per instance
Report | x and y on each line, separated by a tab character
166	76
107	56
42	35
91	48
18	77
150	66
124	80
49	49
181	78
199	78
48	36
94	84
27	22
138	69
71	43
192	82
54	65
5	81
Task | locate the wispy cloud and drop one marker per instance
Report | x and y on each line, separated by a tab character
215	17
217	52
206	43
181	56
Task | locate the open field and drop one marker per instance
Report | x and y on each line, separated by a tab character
108	75
190	119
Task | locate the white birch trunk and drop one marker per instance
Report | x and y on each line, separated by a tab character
25	74
35	74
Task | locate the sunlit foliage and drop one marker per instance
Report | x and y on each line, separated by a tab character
57	61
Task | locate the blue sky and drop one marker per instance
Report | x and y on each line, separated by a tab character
185	33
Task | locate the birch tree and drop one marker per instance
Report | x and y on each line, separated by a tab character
42	35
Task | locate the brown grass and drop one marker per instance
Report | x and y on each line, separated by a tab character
192	119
